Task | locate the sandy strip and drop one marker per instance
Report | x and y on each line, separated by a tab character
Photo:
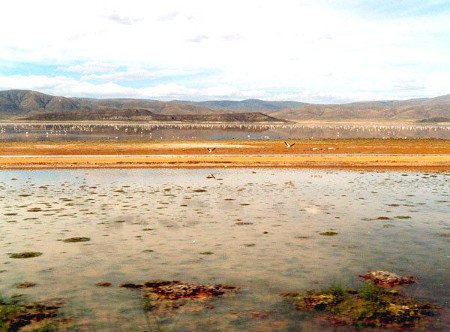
360	153
235	147
431	162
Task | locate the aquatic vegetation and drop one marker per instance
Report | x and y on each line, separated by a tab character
34	209
77	239
25	284
25	254
164	296
131	285
328	233
15	315
103	284
370	306
243	223
206	253
387	279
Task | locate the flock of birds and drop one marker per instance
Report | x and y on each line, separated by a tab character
64	129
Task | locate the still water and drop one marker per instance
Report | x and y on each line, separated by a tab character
76	132
260	229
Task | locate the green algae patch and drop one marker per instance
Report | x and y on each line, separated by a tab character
25	284
369	306
25	254
328	233
387	279
163	297
15	315
77	239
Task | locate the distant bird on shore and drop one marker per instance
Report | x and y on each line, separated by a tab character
210	150
289	145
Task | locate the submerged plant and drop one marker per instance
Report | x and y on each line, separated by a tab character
15	315
77	239
163	296
371	305
25	254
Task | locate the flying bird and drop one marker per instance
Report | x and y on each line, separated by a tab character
288	145
211	149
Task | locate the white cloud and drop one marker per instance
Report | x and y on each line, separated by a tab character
90	67
305	49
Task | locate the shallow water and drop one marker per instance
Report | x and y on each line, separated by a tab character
67	132
262	227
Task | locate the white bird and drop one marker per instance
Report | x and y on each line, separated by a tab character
211	149
288	145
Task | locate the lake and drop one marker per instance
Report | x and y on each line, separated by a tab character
258	229
77	132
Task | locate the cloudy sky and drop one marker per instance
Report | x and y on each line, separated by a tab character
314	51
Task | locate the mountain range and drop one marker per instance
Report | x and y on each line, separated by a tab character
33	105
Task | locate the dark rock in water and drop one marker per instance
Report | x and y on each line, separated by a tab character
387	279
25	254
77	239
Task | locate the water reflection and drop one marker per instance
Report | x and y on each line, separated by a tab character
261	230
64	132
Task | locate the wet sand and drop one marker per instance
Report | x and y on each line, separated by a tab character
374	153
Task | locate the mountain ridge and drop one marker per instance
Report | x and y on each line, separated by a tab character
23	104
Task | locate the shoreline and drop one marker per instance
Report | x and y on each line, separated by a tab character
370	154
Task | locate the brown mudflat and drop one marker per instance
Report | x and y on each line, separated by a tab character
361	153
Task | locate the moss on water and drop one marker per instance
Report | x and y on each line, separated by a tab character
369	306
16	315
77	239
328	233
25	254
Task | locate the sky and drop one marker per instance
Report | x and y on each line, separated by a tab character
318	51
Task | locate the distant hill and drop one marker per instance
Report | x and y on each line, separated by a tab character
146	115
18	103
423	109
25	104
247	105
